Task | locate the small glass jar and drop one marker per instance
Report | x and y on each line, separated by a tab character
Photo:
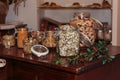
38	35
8	41
49	40
108	34
100	34
22	34
68	41
27	44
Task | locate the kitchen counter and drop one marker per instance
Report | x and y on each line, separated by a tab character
30	67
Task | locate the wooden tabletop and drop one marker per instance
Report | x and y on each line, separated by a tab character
18	54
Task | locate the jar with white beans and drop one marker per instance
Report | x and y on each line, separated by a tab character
68	41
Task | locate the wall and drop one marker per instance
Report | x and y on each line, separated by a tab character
27	14
115	24
118	21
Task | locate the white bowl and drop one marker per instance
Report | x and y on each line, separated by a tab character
2	62
39	53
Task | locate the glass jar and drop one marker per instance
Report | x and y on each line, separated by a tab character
27	44
100	34
86	26
8	41
68	41
38	35
108	34
22	34
49	40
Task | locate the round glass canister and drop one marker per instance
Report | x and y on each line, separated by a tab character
22	34
8	41
68	41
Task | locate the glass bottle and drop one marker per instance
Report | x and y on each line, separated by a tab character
68	41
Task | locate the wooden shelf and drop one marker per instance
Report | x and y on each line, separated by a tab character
72	8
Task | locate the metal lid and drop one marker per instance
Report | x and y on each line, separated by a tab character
22	29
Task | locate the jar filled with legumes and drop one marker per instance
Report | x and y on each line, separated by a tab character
68	41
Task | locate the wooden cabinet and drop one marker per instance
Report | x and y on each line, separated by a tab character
22	72
28	71
3	73
30	67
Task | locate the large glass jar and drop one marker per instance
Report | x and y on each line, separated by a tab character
68	41
86	26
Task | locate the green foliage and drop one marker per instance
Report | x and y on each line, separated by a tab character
97	51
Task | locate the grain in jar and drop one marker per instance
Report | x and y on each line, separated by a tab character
28	43
68	43
8	41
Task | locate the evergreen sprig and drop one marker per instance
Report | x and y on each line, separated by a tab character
97	51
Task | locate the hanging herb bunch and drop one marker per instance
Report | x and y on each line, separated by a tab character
97	51
16	4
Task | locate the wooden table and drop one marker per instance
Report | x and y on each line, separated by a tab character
29	67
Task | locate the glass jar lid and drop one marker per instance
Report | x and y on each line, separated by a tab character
85	40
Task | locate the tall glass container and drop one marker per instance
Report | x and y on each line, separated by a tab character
68	41
22	34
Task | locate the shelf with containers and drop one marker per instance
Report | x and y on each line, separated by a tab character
64	14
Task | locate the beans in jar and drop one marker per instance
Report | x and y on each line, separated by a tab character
68	42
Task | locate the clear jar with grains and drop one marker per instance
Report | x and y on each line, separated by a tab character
8	41
49	40
68	41
28	43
